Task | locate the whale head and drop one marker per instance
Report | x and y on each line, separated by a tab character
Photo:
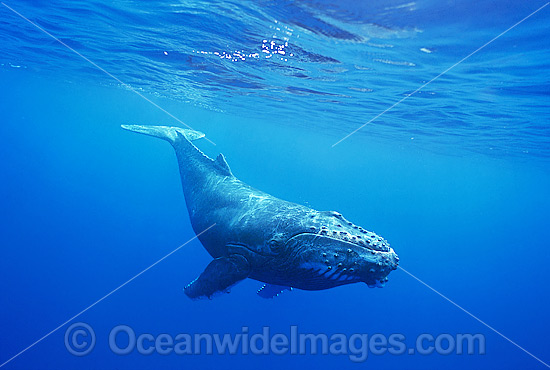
332	251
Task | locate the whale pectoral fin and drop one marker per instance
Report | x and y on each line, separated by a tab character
272	290
218	277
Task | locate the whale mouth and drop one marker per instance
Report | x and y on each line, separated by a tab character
379	251
375	246
342	258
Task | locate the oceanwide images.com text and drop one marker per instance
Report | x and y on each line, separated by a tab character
80	340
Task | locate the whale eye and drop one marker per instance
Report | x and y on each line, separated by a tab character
273	244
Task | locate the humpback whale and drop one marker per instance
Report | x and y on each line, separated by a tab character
282	244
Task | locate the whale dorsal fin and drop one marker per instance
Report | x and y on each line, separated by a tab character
221	163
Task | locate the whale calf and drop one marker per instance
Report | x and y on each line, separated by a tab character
282	244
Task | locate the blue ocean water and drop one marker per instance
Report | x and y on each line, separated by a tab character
456	177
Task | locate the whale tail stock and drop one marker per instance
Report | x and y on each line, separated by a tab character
170	134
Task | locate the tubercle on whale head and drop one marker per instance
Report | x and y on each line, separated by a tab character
338	248
333	224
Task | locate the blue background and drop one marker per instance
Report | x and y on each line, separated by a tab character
456	177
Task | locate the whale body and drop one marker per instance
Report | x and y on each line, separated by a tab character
256	235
